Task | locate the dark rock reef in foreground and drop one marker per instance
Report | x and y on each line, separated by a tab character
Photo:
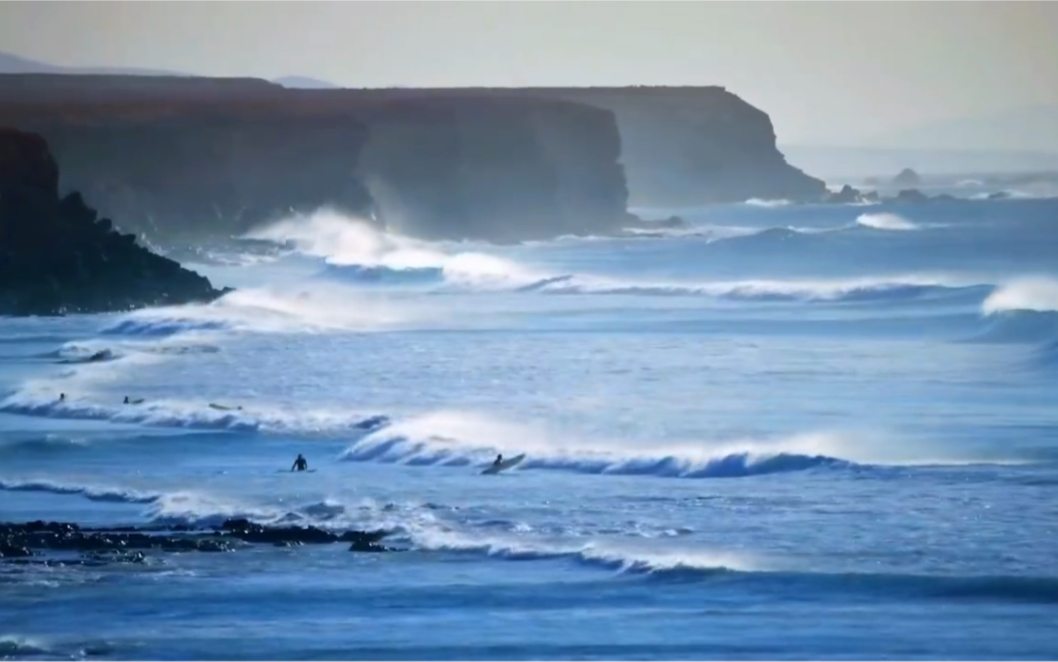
57	256
63	543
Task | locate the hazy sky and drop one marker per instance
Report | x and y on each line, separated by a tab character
826	72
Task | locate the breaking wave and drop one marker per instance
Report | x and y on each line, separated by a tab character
663	562
879	289
768	204
1024	311
192	415
93	493
1019	326
624	558
853	290
322	308
155	324
46	444
204	509
886	221
370	255
73	354
461	439
1026	294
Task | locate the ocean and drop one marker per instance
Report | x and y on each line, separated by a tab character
786	432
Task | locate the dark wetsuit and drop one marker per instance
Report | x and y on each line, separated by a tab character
300	464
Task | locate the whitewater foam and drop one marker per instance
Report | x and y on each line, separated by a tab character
465	438
768	204
886	221
286	309
203	509
91	492
859	289
40	400
347	241
1038	294
454	438
623	557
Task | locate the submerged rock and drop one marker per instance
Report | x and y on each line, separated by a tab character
9	551
287	536
130	544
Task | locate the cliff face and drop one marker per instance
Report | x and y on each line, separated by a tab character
497	168
216	173
56	256
696	145
183	161
679	145
180	158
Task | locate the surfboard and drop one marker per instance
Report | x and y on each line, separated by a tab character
502	466
224	407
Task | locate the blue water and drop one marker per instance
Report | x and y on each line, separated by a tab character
789	432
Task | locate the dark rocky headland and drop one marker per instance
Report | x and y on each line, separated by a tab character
58	256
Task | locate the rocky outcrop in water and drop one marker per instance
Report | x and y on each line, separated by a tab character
907	178
849	195
846	196
57	256
63	543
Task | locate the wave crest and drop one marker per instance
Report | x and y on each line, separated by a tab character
93	493
461	439
1037	294
854	290
769	204
190	415
886	221
622	558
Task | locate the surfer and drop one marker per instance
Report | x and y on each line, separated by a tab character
62	397
498	461
300	464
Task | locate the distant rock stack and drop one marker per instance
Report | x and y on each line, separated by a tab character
907	178
57	257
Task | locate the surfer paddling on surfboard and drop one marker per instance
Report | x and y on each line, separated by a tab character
501	464
300	464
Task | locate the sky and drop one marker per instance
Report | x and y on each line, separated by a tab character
833	73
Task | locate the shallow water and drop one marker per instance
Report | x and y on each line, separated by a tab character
792	432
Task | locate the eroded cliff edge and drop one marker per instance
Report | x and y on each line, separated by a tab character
182	158
687	146
57	256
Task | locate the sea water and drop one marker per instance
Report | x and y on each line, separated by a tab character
785	432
